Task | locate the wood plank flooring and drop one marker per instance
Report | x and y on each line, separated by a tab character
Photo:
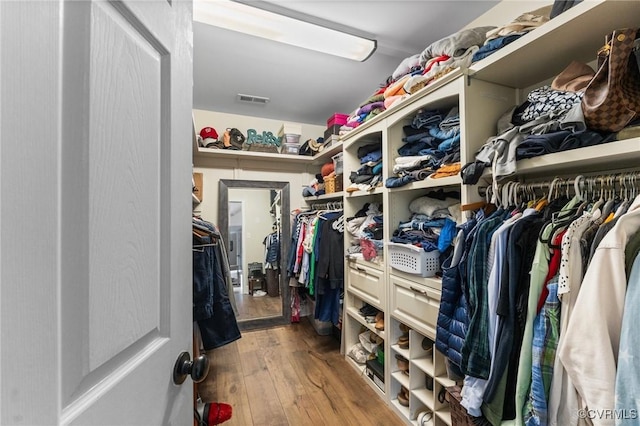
291	376
252	307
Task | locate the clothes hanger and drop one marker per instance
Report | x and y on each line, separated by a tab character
626	195
610	199
559	220
544	202
601	200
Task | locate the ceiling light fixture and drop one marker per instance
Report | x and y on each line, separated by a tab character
240	17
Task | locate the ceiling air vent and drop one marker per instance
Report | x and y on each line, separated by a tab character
260	100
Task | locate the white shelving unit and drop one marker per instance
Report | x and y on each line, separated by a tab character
273	158
482	94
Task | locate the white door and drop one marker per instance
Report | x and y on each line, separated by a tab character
95	247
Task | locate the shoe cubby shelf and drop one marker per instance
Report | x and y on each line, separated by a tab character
426	378
482	93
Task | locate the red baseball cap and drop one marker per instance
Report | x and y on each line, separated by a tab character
208	132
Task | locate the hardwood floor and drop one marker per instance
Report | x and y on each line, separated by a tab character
252	307
291	376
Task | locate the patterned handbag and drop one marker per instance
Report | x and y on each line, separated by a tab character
612	98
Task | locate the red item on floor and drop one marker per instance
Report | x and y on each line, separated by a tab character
215	413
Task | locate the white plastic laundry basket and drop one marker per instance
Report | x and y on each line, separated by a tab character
413	260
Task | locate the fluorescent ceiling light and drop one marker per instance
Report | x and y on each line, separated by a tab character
261	23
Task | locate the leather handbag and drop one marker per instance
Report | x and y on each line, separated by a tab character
612	98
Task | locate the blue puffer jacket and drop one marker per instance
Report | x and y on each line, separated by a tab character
453	319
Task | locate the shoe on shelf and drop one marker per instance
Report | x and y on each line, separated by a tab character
427	345
403	363
378	340
425	418
403	396
404	328
380	321
428	383
403	341
368	310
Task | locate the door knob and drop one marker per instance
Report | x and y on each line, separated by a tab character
197	369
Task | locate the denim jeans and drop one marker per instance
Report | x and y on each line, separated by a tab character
396	182
211	305
535	145
433	151
415	137
413	148
450	138
581	139
426	118
203	280
420	225
494	45
451	144
372	156
450	123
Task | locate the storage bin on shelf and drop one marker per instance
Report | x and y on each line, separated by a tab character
332	184
413	260
290	134
337	163
337	119
291	138
290	148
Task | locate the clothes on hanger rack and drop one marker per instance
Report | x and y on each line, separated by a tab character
519	297
272	250
315	260
213	303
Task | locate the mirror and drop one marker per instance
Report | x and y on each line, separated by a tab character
251	215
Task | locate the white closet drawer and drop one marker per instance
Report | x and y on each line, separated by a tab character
366	283
415	304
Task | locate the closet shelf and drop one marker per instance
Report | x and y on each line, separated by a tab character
326	154
539	54
430	183
332	196
353	312
425	364
445	381
402	378
232	154
316	160
611	156
425	396
444	414
356	194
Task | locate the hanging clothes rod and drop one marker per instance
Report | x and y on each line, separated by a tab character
623	181
330	205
